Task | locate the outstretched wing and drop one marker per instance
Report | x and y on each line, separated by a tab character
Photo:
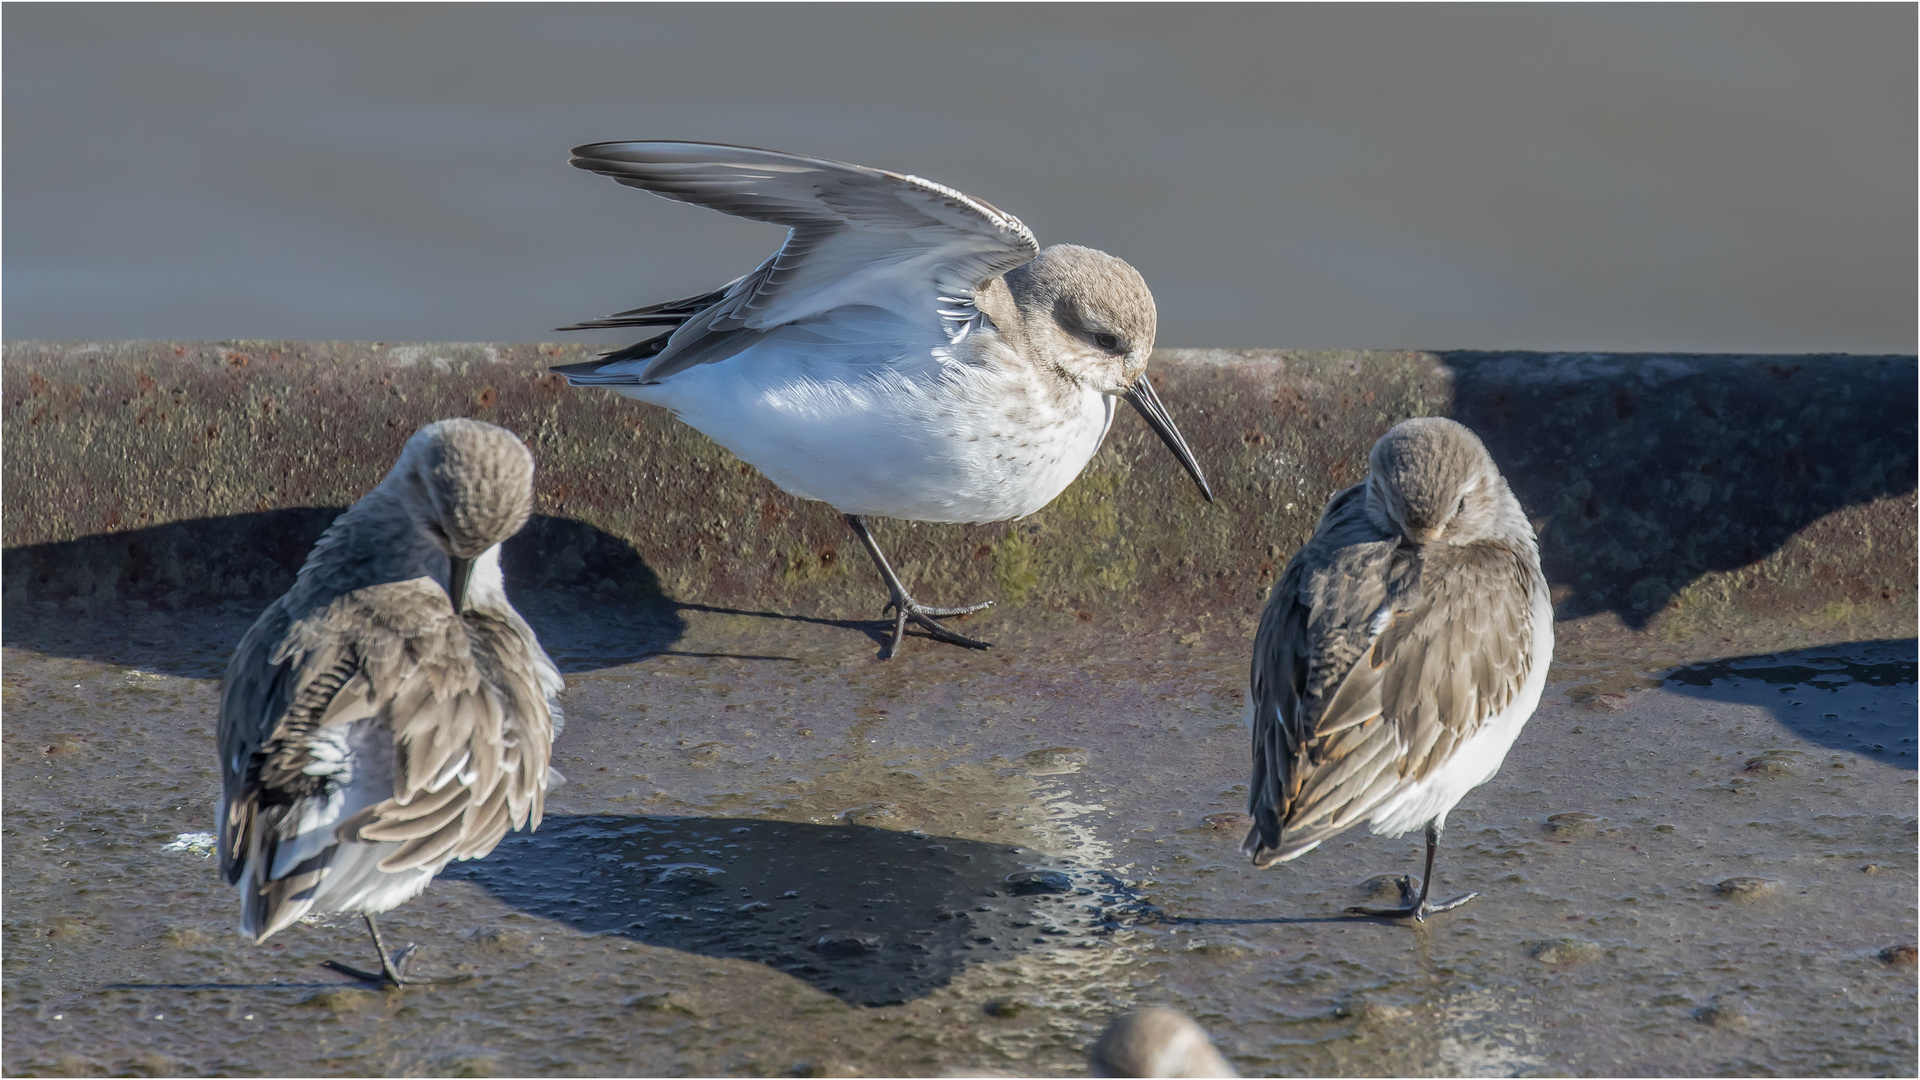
1374	663
466	748
856	237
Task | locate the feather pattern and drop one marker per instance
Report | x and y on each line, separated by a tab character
1378	658
856	236
363	711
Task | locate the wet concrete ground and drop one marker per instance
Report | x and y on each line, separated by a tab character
778	856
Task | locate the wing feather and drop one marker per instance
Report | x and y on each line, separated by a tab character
1373	663
856	236
463	702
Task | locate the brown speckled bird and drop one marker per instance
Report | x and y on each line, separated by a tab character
391	712
1400	654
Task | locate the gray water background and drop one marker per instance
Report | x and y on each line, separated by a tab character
1715	178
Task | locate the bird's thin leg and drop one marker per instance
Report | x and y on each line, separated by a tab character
1417	908
392	966
905	606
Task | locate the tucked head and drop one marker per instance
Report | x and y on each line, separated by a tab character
1089	313
1432	481
468	484
1155	1042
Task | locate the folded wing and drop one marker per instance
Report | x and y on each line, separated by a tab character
460	723
1372	665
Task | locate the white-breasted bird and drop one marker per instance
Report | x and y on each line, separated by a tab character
909	352
391	712
1400	654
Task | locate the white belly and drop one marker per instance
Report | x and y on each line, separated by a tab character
1475	761
950	445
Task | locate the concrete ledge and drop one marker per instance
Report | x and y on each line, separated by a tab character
1685	497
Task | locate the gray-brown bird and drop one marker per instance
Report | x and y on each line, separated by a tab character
1155	1041
909	352
1400	654
391	712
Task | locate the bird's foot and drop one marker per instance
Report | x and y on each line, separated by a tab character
393	973
907	609
1412	907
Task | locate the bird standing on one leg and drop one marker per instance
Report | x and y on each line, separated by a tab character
1400	654
391	712
909	351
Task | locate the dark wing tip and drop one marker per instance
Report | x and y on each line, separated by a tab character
571	371
1255	848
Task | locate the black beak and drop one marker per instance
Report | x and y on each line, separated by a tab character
1141	396
457	579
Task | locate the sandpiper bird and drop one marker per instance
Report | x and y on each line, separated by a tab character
1400	654
392	711
909	351
1157	1041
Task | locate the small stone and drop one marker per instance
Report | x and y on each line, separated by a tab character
1225	949
1564	951
1898	955
501	939
876	814
1773	763
752	907
665	1001
1005	1009
1032	882
1053	759
841	944
1230	820
1390	888
692	877
1870	868
1723	1012
1747	889
1575	823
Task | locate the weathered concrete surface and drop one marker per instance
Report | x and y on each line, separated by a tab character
1716	862
1769	500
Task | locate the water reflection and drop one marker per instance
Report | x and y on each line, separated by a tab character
1857	697
871	916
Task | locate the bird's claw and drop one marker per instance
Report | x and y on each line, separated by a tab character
1418	912
906	609
394	972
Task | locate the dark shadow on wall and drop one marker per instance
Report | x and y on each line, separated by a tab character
870	916
1652	470
176	598
1857	697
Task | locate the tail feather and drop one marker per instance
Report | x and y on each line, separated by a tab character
597	373
269	905
671	313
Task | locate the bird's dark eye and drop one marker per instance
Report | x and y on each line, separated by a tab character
1107	341
1462	508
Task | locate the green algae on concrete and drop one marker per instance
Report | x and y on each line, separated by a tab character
1676	495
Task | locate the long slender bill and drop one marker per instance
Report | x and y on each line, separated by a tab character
461	573
1141	396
